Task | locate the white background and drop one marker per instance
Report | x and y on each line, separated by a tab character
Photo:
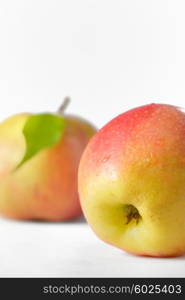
108	56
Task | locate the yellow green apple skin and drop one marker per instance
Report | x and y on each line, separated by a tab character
132	181
44	187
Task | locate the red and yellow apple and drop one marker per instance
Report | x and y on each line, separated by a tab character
132	181
41	184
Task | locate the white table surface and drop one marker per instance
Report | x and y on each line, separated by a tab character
36	249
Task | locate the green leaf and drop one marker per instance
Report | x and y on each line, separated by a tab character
41	131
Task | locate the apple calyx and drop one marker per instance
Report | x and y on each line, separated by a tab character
131	213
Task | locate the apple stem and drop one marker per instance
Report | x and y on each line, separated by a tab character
64	105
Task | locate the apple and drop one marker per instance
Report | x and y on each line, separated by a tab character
39	155
132	181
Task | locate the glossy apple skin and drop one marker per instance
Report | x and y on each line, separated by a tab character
45	187
137	159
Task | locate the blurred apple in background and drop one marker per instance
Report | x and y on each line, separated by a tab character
39	158
132	181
